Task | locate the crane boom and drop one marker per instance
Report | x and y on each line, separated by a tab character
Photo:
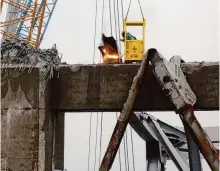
27	19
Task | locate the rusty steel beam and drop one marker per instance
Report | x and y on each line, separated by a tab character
123	119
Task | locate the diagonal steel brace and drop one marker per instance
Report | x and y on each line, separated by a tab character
123	119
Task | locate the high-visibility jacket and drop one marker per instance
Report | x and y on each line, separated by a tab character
130	37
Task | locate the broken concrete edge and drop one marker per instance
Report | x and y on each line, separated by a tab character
115	81
73	66
43	124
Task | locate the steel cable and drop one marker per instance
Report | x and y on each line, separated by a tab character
128	10
90	128
119	31
132	147
95	32
140	10
96	135
116	34
122	10
103	9
110	16
126	141
100	145
119	151
125	154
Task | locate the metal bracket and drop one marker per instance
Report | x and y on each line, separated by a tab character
154	133
172	79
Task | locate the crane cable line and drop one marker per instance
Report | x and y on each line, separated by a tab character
132	147
116	33
125	153
110	16
126	141
95	31
96	136
119	151
102	29
100	143
129	9
119	30
90	123
90	128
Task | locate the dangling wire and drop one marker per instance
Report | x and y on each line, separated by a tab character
132	147
122	10
116	33
95	33
90	128
110	16
97	121
129	9
119	32
119	151
100	144
126	140
125	154
103	9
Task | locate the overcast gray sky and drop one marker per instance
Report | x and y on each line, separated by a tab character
182	27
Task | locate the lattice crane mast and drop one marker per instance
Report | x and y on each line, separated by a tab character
27	19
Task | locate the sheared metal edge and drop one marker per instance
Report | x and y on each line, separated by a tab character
123	119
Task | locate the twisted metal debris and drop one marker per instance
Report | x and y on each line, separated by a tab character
14	51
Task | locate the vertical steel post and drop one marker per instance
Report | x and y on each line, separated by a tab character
153	157
193	153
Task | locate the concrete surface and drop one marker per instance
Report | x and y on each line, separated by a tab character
28	123
32	130
105	87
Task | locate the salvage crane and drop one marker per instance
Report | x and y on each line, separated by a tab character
27	19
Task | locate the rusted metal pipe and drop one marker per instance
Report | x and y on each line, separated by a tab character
208	150
123	119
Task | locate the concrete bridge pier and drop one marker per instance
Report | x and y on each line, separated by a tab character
32	134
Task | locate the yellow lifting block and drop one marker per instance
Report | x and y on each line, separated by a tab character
134	49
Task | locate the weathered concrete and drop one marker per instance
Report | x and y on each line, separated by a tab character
27	131
105	87
32	131
59	141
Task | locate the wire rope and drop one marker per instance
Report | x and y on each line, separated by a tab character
119	151
126	140
95	32
129	9
90	128
96	135
110	16
103	9
100	144
132	147
125	154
